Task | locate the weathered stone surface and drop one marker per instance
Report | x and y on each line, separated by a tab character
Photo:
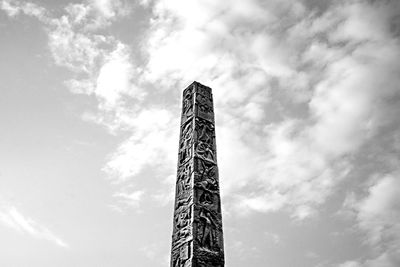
197	239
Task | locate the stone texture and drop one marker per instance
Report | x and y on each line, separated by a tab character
197	239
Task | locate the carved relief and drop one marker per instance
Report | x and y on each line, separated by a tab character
181	257
197	232
183	202
182	226
204	91
205	104
204	146
205	168
204	132
185	147
184	198
206	184
184	179
204	151
187	106
204	107
207	231
207	190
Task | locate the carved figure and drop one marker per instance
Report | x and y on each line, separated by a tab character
208	226
180	263
182	220
187	109
205	167
181	186
206	198
182	236
209	184
204	151
185	150
183	203
203	91
184	177
205	108
204	133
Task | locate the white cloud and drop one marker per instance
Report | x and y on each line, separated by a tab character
365	22
115	78
92	15
9	8
350	264
131	199
15	220
110	8
295	173
102	67
378	215
13	8
379	212
340	66
84	86
73	49
295	164
73	42
182	47
153	141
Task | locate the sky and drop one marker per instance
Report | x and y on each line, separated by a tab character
307	107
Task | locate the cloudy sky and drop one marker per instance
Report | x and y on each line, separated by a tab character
307	102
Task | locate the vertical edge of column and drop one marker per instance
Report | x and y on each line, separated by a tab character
207	228
182	234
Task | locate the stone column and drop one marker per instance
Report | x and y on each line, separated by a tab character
197	239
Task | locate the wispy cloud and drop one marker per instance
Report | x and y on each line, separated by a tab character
130	199
154	137
101	66
350	264
323	64
75	44
298	93
274	238
14	219
14	8
378	215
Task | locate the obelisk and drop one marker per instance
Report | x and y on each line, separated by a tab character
197	239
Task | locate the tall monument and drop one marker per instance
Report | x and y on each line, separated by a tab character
197	239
